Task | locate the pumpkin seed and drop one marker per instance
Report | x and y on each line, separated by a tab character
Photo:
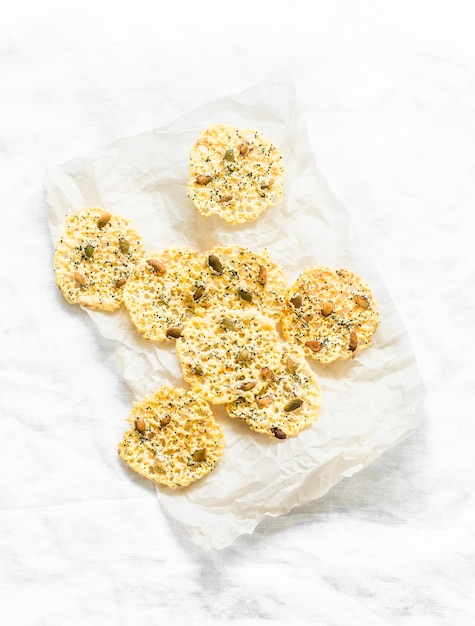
89	250
140	425
103	220
174	332
203	180
265	401
199	455
215	264
80	278
228	323
199	291
245	294
293	405
124	246
362	301
353	341
262	276
267	373
158	266
290	366
314	345
278	433
165	421
243	355
227	198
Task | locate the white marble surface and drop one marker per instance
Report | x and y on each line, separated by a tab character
388	93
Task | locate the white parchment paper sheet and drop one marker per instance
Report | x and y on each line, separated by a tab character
369	403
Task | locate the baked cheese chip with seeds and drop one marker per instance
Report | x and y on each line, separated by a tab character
234	173
173	438
159	293
288	402
236	277
94	258
223	352
331	313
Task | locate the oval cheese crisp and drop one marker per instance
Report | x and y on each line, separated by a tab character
236	277
174	439
94	257
288	399
223	350
331	313
234	173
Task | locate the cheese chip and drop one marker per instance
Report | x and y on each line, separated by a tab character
234	173
287	402
222	352
94	258
331	313
174	439
237	277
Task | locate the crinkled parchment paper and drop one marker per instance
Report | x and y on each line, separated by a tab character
369	403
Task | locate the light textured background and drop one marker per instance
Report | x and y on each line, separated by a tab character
388	93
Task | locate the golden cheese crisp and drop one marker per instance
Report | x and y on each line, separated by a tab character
288	399
222	351
331	313
236	277
174	439
159	293
234	173
94	257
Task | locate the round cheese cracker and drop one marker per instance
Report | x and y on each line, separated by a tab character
236	277
94	257
234	173
222	352
332	313
159	293
174	439
288	402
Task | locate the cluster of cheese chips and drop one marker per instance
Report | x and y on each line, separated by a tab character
169	287
238	359
244	337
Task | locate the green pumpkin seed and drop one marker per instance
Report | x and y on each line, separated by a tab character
215	264
243	356
124	246
293	405
229	155
245	295
199	455
89	250
228	323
